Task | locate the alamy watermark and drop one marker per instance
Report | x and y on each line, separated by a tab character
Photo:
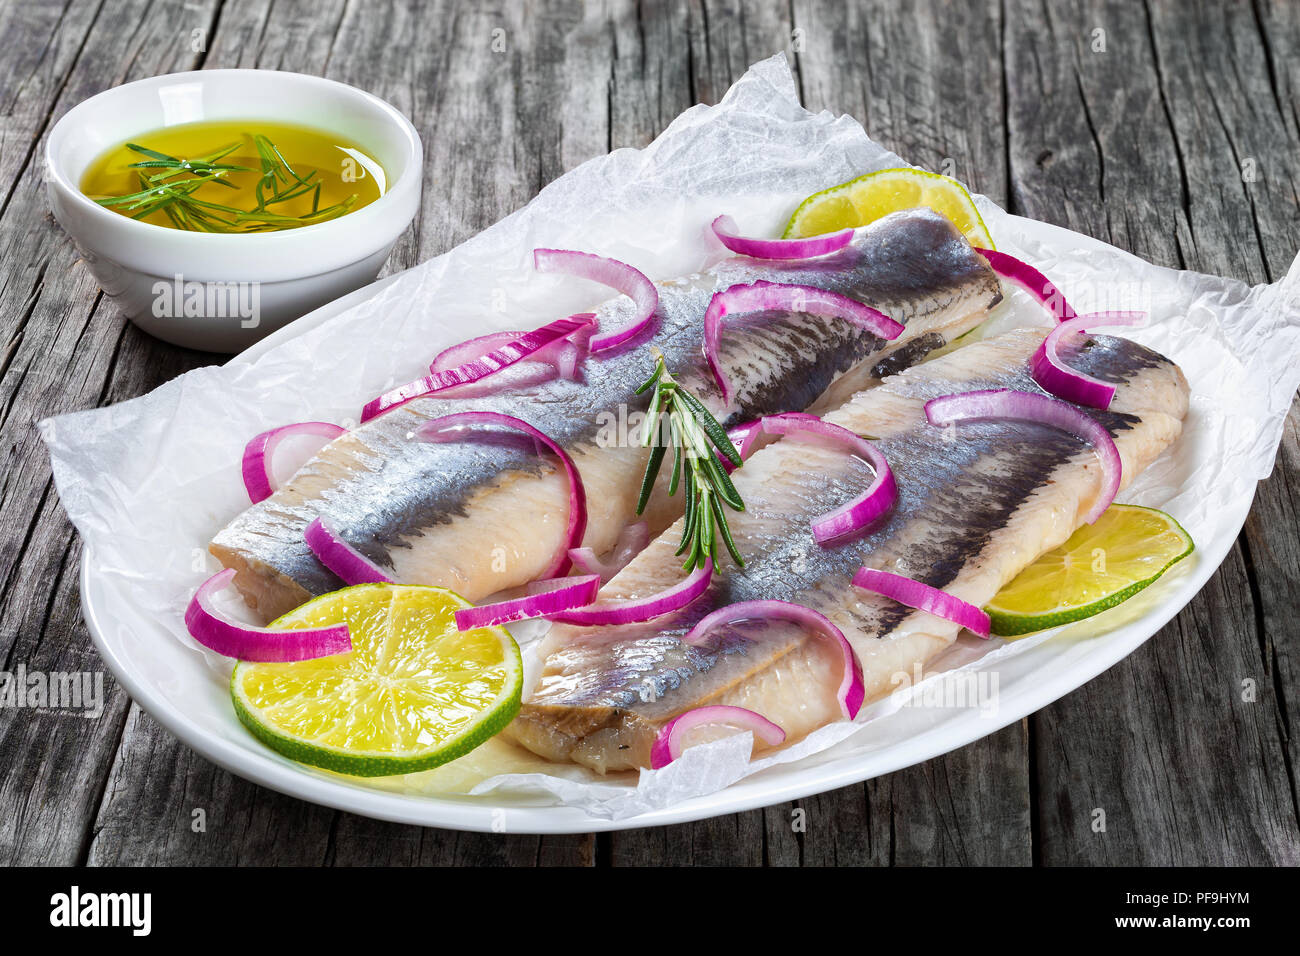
955	690
74	692
212	299
75	908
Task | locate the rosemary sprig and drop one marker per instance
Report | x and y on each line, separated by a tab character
172	182
693	434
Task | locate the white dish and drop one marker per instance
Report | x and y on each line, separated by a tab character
245	285
147	482
173	684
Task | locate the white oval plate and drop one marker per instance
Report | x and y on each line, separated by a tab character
177	687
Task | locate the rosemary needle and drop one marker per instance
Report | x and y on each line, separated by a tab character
693	433
171	184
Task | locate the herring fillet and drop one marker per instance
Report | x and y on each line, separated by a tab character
481	516
977	503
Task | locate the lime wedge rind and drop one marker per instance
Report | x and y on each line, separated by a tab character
1018	623
362	764
869	197
459	737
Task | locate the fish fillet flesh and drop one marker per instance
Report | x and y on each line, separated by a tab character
479	516
977	503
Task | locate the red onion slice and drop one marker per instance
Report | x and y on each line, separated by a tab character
1056	377
1031	280
518	377
667	746
259	455
742	438
395	397
349	564
642	609
852	690
457	380
545	345
456	355
914	594
724	227
566	361
1045	410
866	507
762	295
229	637
569	353
437	429
631	542
745	436
617	275
545	597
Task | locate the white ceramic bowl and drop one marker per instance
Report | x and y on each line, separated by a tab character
224	292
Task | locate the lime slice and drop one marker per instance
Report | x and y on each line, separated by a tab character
413	692
1102	565
869	197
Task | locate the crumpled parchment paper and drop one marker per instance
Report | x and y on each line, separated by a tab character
149	481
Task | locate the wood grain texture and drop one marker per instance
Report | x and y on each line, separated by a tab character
1166	149
64	350
910	72
374	48
1147	144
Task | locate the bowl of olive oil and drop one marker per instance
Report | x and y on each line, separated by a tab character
214	207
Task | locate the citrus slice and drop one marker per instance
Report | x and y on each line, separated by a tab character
869	197
413	692
1100	566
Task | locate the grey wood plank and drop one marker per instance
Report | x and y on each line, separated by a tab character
359	841
165	805
265	35
156	784
1271	551
967	808
734	840
723	40
923	78
1248	176
1184	769
490	99
1279	28
914	74
63	349
42	42
1270	546
651	80
1143	145
579	55
1075	158
726	36
955	810
498	116
1237	138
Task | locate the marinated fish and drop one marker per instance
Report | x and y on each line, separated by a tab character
977	503
479	516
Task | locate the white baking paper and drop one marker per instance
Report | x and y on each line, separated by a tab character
149	481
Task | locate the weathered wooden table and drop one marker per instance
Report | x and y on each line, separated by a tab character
1167	129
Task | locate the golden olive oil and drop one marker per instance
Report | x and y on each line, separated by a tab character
234	177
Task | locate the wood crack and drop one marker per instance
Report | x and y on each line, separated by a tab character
1184	186
211	37
49	114
1006	799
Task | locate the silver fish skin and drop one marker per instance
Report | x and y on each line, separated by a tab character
480	516
977	503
